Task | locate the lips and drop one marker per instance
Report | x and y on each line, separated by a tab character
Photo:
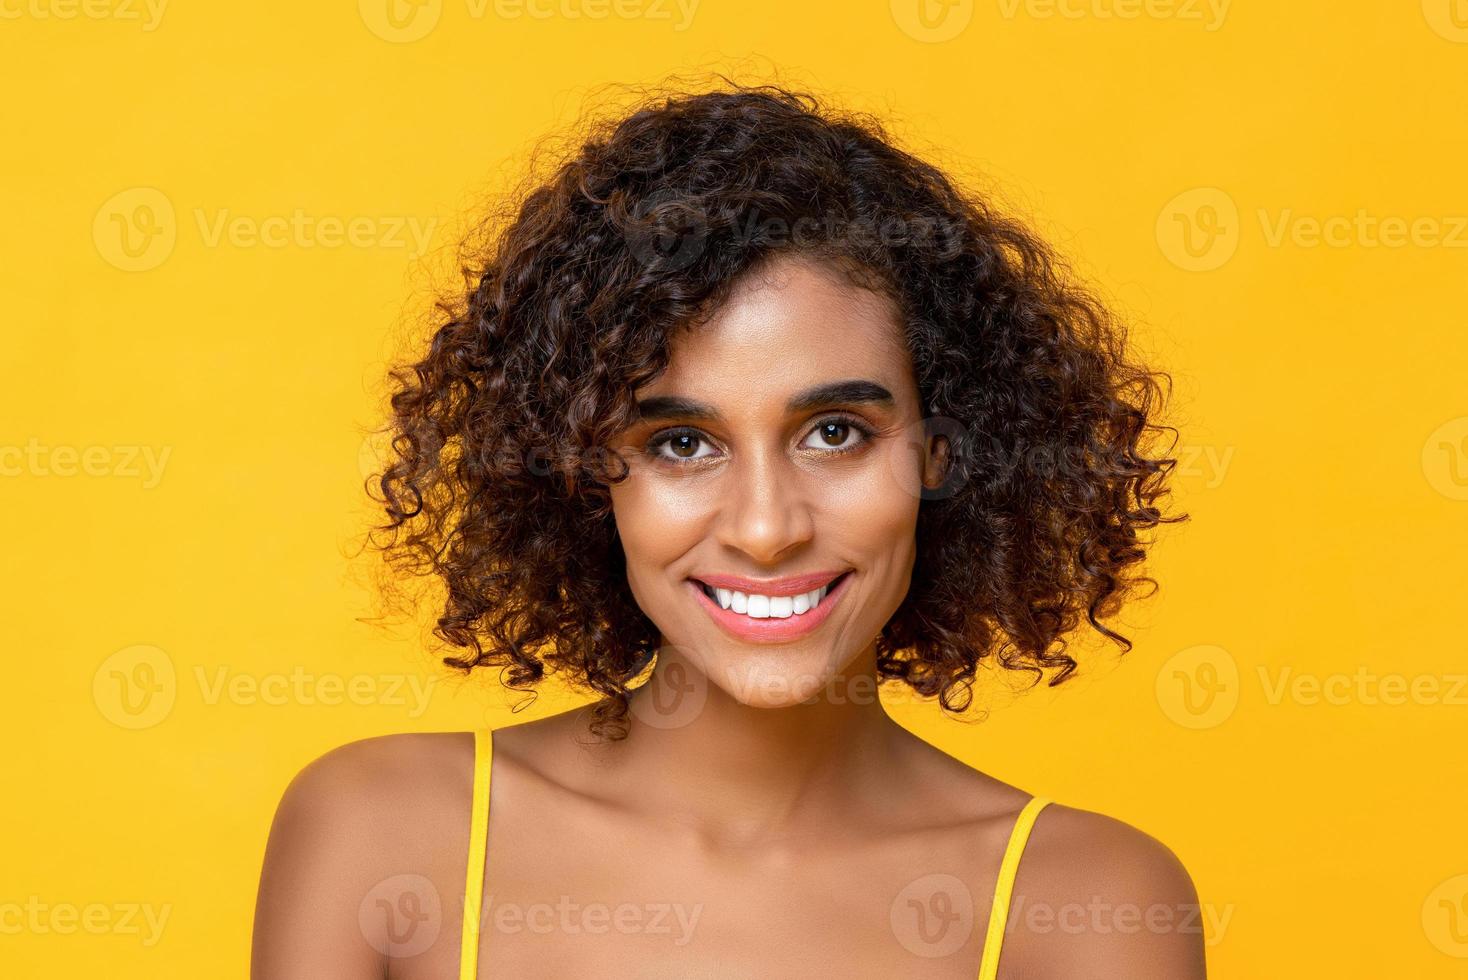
773	603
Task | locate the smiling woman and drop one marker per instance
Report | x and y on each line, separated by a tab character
743	405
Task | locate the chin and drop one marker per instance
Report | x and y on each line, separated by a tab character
773	677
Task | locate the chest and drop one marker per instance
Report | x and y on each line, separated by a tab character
622	901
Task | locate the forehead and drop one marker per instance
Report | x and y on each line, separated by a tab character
784	327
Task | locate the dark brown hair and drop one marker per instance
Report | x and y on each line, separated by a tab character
497	484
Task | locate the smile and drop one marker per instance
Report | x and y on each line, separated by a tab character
787	610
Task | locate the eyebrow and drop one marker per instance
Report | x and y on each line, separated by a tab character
851	392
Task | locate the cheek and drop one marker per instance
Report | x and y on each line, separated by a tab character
657	522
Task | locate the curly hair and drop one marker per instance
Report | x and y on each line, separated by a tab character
498	482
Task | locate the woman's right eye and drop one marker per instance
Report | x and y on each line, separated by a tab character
680	445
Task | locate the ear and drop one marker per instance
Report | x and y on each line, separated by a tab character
936	461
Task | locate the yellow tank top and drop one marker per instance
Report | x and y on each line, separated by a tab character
478	838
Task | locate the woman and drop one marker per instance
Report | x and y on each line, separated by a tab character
745	412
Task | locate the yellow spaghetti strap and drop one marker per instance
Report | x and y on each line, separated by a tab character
478	837
1004	887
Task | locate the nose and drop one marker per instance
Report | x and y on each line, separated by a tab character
766	511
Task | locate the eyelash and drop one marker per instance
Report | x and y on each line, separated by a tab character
661	439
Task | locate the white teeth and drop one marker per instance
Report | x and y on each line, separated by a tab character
758	606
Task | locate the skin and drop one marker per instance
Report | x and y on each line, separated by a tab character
764	801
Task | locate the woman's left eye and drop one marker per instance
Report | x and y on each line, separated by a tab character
836	435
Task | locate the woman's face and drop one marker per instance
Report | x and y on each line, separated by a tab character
769	516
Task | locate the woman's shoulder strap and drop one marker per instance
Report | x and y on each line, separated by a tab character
1004	886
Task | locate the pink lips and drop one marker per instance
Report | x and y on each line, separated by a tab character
770	630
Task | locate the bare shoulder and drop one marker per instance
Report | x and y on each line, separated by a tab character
380	813
1095	896
378	790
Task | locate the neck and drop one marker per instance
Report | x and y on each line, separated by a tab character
737	772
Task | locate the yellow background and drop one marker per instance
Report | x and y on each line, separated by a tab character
1178	154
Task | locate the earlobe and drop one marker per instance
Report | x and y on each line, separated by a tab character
936	462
